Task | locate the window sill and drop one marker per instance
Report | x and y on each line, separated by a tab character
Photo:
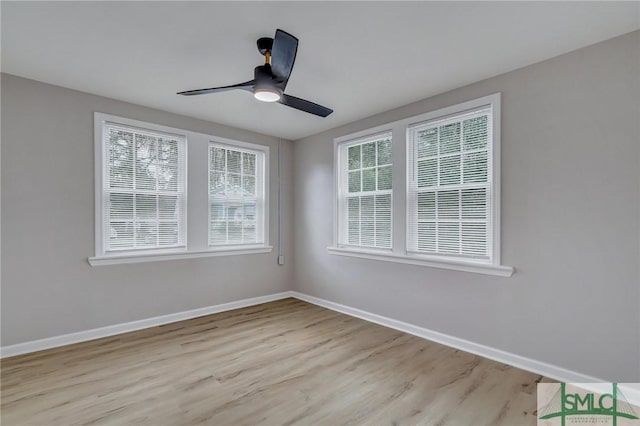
155	257
456	265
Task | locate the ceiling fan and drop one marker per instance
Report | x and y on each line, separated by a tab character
271	79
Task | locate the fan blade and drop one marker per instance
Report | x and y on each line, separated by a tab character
283	55
247	85
306	106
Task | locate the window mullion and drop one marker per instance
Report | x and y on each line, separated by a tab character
135	196
157	196
436	228
462	153
225	209
360	198
243	201
376	170
360	221
460	221
399	189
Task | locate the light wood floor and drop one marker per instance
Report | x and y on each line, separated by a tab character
280	363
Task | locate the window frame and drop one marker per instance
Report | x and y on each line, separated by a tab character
399	252
196	148
342	195
102	121
263	168
492	184
346	141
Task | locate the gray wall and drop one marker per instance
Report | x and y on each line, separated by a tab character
48	287
570	221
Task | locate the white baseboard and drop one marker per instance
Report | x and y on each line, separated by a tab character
538	367
542	368
111	330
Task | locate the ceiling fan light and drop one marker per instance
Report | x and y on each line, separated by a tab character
266	95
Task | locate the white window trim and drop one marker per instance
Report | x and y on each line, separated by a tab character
193	249
453	264
398	253
154	257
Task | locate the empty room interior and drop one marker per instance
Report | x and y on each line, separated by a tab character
320	213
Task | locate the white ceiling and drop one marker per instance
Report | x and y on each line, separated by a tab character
359	58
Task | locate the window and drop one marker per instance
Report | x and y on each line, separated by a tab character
450	186
144	189
446	213
163	193
236	195
365	192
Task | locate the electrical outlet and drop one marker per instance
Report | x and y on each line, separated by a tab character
280	260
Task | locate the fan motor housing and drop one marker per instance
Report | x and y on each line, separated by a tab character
264	80
263	74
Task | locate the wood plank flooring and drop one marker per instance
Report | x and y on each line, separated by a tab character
280	363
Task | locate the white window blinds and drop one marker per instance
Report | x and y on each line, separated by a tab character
365	192
449	186
236	196
143	189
